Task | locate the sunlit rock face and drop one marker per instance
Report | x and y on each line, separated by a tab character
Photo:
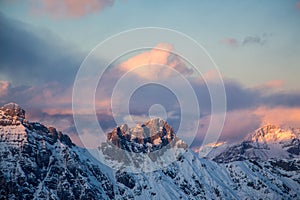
150	136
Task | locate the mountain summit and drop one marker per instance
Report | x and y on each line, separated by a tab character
150	136
11	114
13	110
268	142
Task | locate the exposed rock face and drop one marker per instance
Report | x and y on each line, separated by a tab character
151	136
13	110
11	114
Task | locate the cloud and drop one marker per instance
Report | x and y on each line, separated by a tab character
52	104
70	8
274	84
298	5
282	116
231	42
286	99
31	55
248	40
231	132
261	40
159	55
39	71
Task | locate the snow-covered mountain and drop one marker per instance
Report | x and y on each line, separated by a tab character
38	162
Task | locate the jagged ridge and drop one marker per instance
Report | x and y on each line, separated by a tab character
147	137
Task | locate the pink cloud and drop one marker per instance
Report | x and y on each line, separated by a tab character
270	86
281	116
298	5
70	8
274	84
232	42
160	55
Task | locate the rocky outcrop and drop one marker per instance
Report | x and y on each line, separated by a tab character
13	110
147	137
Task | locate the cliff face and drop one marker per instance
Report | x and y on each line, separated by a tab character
148	137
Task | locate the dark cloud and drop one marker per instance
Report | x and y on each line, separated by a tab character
239	97
254	40
282	99
30	55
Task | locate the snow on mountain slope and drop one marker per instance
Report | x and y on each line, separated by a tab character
37	162
41	163
211	150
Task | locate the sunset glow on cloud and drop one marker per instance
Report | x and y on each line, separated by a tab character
159	55
70	8
41	52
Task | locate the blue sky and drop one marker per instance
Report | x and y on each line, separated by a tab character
208	22
254	43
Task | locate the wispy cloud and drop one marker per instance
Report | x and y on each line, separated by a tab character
254	40
247	40
275	84
70	8
231	42
298	5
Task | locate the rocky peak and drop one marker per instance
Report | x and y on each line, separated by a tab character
11	114
152	134
13	110
15	129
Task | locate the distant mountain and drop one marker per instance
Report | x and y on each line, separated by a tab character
38	162
269	142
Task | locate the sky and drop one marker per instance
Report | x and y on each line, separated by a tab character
255	45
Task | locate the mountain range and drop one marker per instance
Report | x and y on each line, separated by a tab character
39	162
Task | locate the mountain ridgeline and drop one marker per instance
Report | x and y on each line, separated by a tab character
39	162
